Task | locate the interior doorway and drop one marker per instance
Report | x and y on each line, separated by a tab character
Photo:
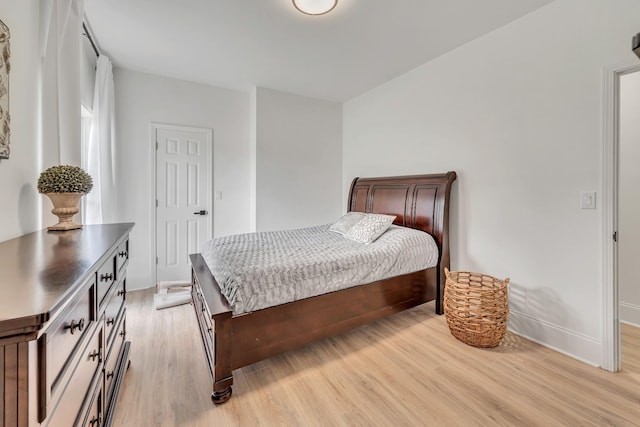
611	338
184	205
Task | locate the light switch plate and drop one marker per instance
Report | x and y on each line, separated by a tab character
587	200
218	195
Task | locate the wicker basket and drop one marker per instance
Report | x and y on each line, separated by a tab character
476	307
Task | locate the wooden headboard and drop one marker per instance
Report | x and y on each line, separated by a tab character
418	201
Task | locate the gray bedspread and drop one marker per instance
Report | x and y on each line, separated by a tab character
260	270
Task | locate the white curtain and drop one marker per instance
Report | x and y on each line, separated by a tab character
60	43
100	202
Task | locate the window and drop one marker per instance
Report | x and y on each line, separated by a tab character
85	129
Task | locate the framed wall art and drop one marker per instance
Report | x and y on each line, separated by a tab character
5	67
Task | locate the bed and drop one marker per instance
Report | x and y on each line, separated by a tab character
231	340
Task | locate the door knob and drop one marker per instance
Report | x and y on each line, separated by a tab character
202	212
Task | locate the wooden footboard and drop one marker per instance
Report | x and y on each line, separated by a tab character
231	342
214	321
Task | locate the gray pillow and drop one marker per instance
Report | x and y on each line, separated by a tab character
369	228
346	222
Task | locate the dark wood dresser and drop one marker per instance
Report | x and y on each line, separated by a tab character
63	347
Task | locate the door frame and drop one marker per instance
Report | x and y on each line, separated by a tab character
611	344
153	128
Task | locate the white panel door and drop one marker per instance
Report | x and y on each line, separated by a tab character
183	198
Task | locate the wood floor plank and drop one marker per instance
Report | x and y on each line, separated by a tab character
406	370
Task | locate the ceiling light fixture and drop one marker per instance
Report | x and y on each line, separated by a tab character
315	7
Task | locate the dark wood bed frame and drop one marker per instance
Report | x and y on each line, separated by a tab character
231	342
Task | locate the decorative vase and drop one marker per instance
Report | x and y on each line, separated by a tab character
65	206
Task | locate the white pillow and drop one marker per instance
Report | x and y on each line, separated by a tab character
369	228
346	222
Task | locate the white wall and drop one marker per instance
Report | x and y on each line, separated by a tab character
629	193
253	156
142	99
21	203
298	160
517	113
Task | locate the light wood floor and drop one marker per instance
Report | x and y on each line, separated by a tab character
406	370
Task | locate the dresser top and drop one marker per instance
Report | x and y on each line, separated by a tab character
39	270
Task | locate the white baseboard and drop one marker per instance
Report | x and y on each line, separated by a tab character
137	283
629	313
630	324
563	340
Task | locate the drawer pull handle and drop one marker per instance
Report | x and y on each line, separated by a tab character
111	321
95	421
106	277
123	333
121	292
122	254
110	375
209	329
73	326
96	353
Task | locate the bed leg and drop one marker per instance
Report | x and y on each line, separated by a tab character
439	306
222	372
219	397
441	281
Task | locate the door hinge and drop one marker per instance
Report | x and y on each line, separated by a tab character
156	145
615	236
156	203
156	260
